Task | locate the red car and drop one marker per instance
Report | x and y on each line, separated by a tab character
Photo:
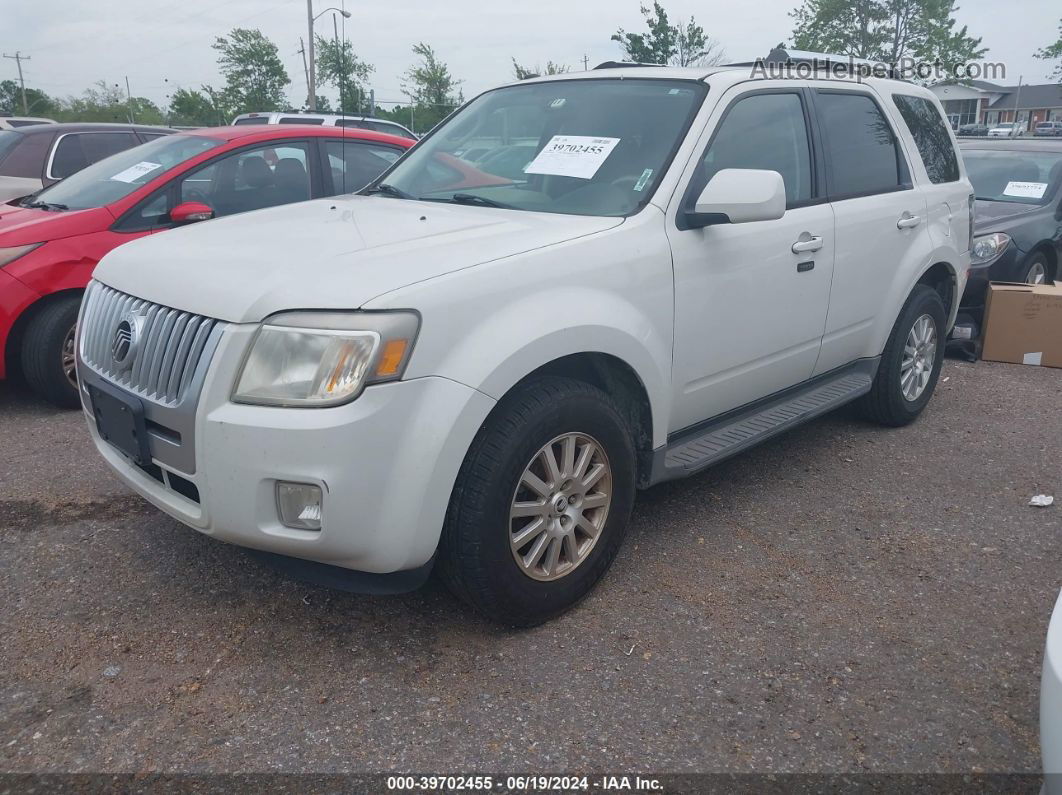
51	241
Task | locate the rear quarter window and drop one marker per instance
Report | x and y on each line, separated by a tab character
931	136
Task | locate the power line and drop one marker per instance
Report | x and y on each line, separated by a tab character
18	58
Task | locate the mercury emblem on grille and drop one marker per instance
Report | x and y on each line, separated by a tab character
126	340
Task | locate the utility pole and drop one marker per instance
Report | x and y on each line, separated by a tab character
1017	106
129	101
586	63
302	52
18	58
312	80
372	102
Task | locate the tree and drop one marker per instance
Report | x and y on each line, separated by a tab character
684	44
339	67
255	76
431	88
693	47
1053	52
196	108
107	102
38	103
889	31
659	45
525	72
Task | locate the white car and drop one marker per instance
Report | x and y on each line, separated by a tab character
1051	705
1013	130
327	120
473	372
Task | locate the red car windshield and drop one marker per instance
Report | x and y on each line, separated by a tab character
119	175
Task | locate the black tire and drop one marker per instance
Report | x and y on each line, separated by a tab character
1027	268
42	352
886	403
475	558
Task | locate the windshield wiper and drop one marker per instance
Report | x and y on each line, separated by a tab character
470	198
37	205
388	190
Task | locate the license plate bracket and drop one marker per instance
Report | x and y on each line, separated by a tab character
120	422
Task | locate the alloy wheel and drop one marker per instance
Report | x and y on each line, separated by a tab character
69	366
919	356
560	506
1037	274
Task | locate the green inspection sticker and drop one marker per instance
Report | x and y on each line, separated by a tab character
643	179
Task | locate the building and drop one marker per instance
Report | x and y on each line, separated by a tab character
978	102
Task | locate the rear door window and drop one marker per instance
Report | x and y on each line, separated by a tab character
862	153
931	136
354	164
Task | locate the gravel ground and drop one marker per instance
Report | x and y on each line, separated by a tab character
845	598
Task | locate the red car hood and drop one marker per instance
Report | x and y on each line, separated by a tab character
22	225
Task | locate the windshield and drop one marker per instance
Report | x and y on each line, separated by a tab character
580	147
119	175
1023	177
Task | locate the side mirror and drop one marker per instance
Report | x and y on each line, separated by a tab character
190	212
738	196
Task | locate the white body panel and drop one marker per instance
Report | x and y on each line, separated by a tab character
1051	705
707	320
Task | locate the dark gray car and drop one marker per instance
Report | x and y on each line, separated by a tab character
34	157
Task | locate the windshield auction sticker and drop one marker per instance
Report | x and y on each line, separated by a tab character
1025	190
133	173
572	156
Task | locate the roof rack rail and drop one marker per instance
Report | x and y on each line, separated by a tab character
825	60
622	65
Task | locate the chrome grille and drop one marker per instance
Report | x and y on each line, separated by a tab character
169	344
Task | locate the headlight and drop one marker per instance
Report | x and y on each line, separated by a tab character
11	254
987	247
324	358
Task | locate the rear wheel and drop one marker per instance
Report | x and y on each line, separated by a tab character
910	363
541	504
48	352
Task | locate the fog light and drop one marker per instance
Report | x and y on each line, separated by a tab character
299	505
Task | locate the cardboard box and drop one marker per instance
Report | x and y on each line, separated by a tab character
1023	324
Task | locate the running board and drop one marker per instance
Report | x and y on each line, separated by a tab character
739	430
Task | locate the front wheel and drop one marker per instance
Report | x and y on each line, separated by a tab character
910	363
1036	270
48	352
541	504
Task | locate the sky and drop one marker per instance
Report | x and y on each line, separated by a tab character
161	46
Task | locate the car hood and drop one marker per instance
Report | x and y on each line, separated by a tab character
336	253
22	225
989	216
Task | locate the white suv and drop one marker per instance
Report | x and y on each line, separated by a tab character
466	371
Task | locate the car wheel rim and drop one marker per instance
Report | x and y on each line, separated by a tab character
560	506
69	366
1037	274
919	356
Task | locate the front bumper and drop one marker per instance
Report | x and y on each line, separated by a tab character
1003	269
1051	705
386	464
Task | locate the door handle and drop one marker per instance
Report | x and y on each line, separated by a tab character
807	243
908	221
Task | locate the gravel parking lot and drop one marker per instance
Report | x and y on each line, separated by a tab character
845	598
